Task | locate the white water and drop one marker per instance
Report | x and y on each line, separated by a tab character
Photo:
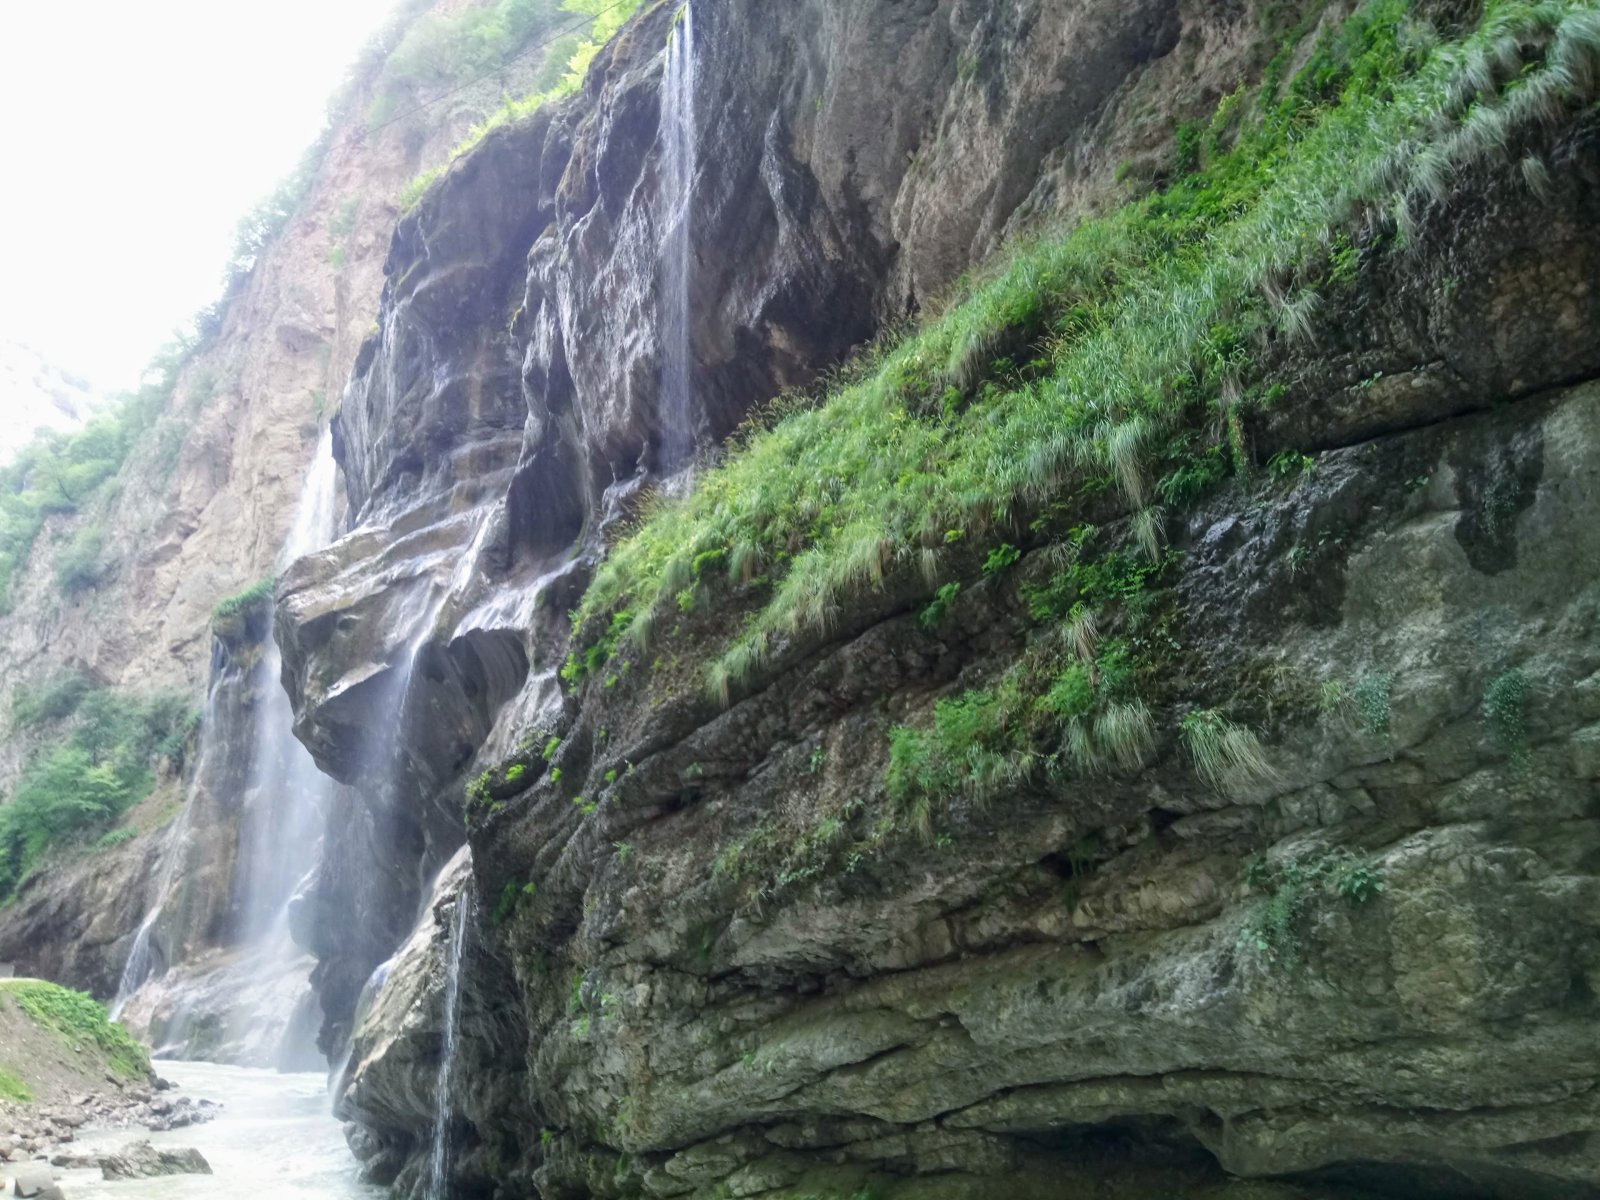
143	961
439	1160
290	794
274	1137
678	169
260	993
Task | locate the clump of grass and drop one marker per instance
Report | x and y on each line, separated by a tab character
1227	756
12	1088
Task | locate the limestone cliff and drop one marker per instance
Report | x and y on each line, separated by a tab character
1286	877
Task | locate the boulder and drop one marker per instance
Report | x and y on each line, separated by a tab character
141	1160
33	1181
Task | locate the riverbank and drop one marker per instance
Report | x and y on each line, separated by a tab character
65	1066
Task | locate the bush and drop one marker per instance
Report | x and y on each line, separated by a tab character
56	699
103	768
81	565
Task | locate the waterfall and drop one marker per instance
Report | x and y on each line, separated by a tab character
289	795
439	1160
677	136
260	994
146	957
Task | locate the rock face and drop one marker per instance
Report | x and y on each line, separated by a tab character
506	416
1367	970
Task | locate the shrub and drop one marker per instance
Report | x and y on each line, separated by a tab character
55	699
103	768
81	565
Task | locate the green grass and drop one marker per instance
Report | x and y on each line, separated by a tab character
1143	320
79	1020
1109	364
12	1088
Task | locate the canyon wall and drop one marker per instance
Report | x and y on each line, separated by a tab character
1357	965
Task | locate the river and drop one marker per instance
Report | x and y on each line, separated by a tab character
275	1136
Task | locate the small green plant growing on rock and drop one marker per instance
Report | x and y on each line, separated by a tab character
1505	704
1000	558
933	615
515	773
1292	887
1372	700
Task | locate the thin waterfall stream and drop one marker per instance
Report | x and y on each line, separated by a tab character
439	1160
676	410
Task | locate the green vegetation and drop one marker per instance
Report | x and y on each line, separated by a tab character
103	766
248	614
59	474
1292	889
12	1088
55	699
511	898
1505	704
1144	341
80	565
1227	756
491	37
1372	702
255	598
80	1020
113	838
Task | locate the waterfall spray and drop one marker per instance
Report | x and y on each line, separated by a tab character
678	168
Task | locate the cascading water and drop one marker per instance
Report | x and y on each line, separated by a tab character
145	956
256	1005
439	1160
677	136
289	793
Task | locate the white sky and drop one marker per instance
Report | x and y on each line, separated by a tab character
133	135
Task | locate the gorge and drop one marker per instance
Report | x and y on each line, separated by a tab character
910	600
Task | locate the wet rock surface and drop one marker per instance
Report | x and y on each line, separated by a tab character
505	416
708	978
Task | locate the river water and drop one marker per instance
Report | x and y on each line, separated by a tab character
275	1137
